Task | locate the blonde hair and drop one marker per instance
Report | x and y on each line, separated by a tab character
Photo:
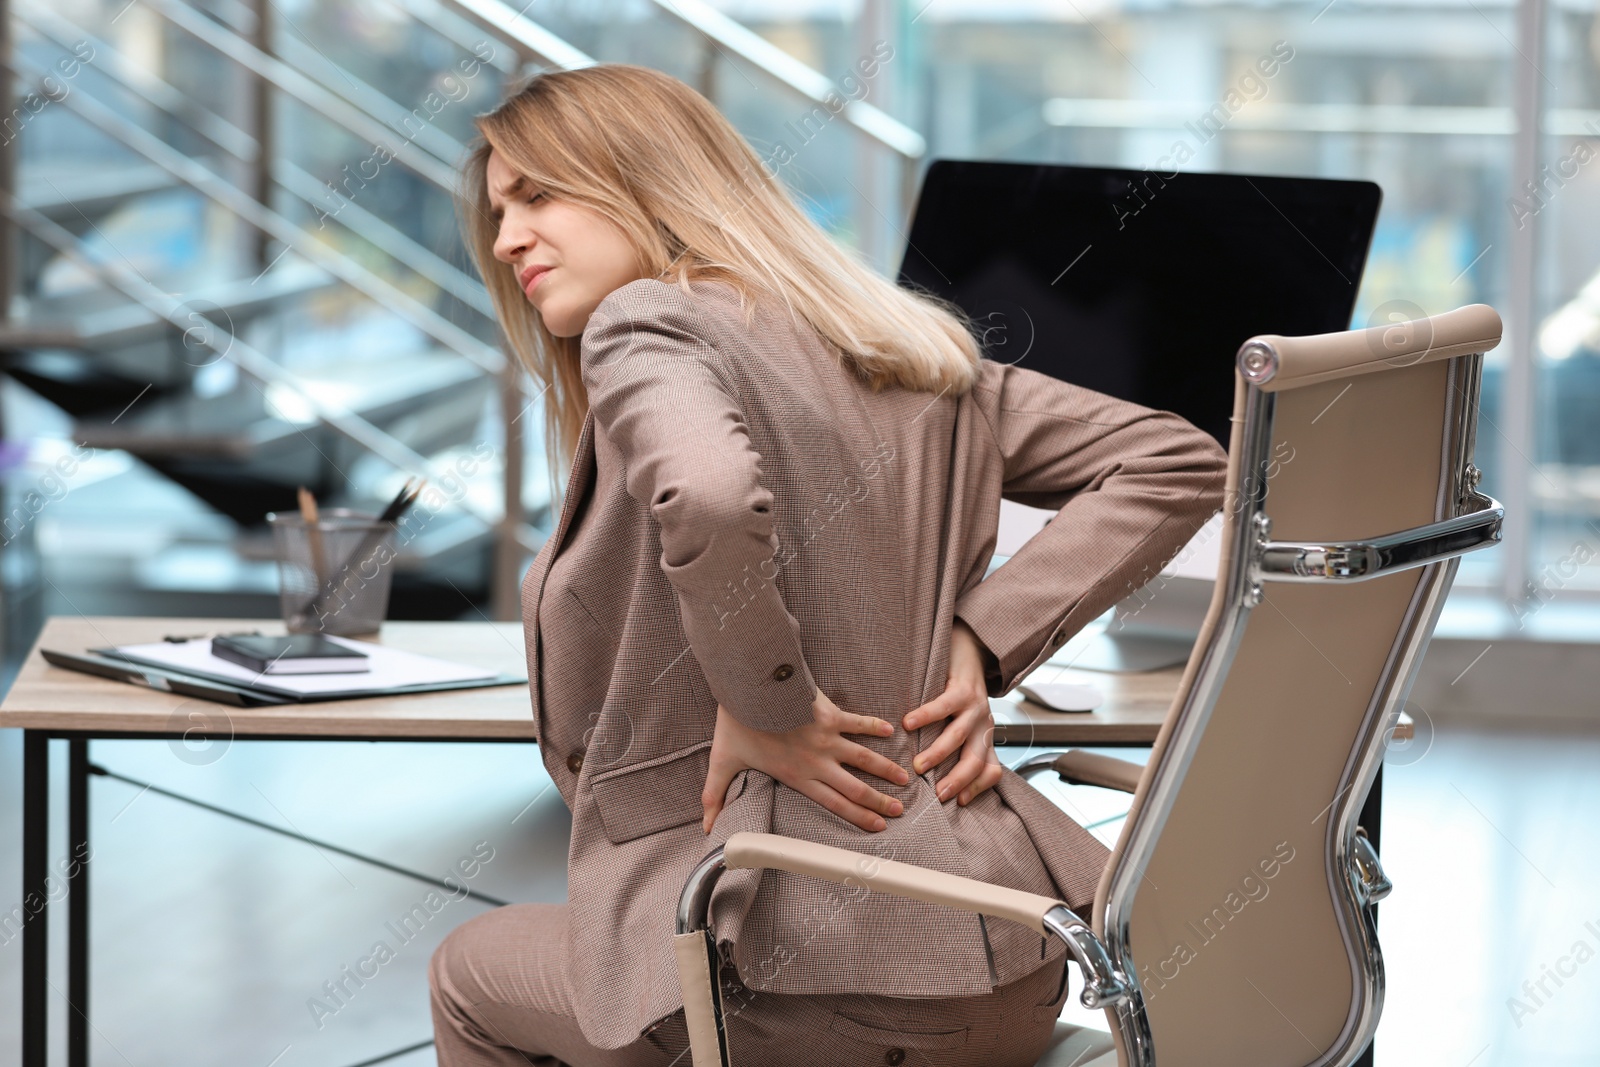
662	164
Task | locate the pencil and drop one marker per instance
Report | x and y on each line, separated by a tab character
308	515
400	502
391	515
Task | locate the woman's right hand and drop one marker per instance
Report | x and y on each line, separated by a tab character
965	702
810	760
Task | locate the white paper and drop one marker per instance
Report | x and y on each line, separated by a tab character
391	668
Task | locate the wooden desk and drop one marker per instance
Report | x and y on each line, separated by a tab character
49	702
51	698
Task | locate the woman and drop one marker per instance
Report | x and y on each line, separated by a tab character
764	607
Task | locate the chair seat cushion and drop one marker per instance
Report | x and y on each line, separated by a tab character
1078	1046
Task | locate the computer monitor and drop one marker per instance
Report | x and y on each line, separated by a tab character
1141	285
1135	283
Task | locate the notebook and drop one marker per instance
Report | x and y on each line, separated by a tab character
290	654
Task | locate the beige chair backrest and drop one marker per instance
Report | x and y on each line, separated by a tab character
1234	896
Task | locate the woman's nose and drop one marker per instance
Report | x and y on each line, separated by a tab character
509	247
509	252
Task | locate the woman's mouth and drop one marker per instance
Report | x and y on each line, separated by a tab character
532	277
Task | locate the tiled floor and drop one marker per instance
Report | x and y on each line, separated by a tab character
211	938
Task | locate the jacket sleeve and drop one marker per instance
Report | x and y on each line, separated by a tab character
662	395
1130	486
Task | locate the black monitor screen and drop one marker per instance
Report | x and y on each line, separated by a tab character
1136	284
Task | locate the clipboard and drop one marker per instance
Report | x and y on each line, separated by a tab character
167	681
135	670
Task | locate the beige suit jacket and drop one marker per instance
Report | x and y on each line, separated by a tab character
746	522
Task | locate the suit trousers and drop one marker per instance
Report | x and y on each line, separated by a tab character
501	997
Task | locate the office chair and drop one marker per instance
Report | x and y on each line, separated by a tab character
1233	924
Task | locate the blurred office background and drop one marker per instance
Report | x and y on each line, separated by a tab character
219	290
187	174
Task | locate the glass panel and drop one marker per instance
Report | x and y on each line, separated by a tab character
1565	486
1419	102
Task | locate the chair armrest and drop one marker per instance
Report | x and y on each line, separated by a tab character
1103	985
774	851
1078	767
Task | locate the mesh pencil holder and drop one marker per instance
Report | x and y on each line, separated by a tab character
334	575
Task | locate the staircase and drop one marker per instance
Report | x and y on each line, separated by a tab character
213	270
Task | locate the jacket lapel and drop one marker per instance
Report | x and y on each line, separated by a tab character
578	479
578	482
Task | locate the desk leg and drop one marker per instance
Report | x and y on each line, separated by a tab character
78	902
1371	819
35	923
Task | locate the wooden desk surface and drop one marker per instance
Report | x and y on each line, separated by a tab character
1134	707
46	697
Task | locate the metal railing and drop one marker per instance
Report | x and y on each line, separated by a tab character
303	74
255	364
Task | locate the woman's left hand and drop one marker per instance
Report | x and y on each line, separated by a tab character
811	760
965	702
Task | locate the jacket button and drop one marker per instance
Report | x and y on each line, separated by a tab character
1058	638
783	673
575	762
894	1057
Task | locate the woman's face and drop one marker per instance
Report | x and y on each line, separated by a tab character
570	255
